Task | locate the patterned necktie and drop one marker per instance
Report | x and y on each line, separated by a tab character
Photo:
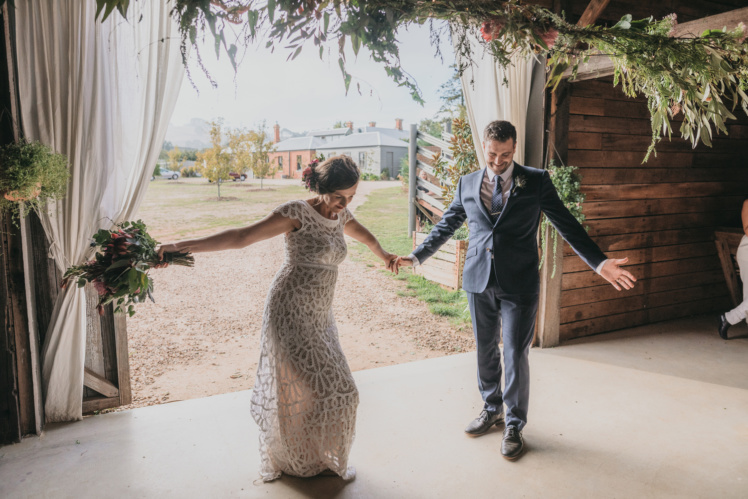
496	201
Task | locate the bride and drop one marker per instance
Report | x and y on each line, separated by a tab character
304	399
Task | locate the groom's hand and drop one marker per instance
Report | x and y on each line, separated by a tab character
402	261
614	274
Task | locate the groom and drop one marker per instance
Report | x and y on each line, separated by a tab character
502	204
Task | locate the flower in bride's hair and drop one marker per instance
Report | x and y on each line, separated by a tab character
307	176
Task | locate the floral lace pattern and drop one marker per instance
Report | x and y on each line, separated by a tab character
304	399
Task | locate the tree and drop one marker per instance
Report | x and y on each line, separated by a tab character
216	162
452	97
175	160
240	143
431	127
189	154
339	124
260	158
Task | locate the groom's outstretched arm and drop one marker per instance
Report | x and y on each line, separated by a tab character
452	220
573	232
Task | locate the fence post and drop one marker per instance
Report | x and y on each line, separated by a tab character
413	148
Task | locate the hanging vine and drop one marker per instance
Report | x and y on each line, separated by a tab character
704	77
568	186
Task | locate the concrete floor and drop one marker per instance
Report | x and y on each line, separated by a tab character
658	411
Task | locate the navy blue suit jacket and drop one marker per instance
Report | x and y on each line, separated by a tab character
512	240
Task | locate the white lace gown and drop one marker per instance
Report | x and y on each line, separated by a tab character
305	399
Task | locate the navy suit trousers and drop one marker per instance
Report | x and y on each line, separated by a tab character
496	314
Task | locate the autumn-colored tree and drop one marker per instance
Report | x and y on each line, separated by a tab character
260	158
215	161
240	143
175	161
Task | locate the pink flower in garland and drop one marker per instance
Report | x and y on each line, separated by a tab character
548	36
491	29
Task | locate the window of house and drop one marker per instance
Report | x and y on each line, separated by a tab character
362	160
280	161
298	162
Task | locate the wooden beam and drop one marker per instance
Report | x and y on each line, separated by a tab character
601	65
123	358
592	12
549	300
99	383
91	404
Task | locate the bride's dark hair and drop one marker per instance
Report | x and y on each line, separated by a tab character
335	174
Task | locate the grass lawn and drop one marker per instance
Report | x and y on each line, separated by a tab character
175	210
385	214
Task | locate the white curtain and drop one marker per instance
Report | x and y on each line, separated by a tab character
488	98
102	94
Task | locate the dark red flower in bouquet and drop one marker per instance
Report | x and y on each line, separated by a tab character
119	271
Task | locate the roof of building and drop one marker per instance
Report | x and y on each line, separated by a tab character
364	139
307	143
393	132
329	131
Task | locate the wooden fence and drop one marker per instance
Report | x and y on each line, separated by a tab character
426	197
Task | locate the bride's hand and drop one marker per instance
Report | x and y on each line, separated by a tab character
164	248
389	260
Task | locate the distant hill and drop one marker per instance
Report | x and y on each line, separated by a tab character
195	134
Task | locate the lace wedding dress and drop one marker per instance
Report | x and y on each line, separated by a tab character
305	399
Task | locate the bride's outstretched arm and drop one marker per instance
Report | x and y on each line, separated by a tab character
362	234
270	226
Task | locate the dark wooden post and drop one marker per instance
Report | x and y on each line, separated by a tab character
17	407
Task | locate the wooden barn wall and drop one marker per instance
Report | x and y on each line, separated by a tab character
660	214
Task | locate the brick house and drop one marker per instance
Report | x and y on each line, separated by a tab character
292	155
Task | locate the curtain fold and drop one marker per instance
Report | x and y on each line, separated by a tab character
101	93
488	98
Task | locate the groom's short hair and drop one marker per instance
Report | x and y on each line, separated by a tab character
499	130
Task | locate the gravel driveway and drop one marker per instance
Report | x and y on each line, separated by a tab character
202	335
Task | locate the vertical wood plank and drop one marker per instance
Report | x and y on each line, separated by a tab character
549	303
123	360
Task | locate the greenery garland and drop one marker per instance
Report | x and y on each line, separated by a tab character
567	183
687	74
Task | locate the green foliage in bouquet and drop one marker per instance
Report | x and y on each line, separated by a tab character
568	184
119	270
31	174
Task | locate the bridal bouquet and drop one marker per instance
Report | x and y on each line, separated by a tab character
119	271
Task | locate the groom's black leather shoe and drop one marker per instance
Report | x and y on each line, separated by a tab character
512	445
484	422
723	326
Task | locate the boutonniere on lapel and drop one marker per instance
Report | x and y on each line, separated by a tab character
519	183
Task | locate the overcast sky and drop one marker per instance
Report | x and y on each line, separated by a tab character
308	93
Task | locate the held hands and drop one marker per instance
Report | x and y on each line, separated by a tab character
401	261
614	274
394	262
